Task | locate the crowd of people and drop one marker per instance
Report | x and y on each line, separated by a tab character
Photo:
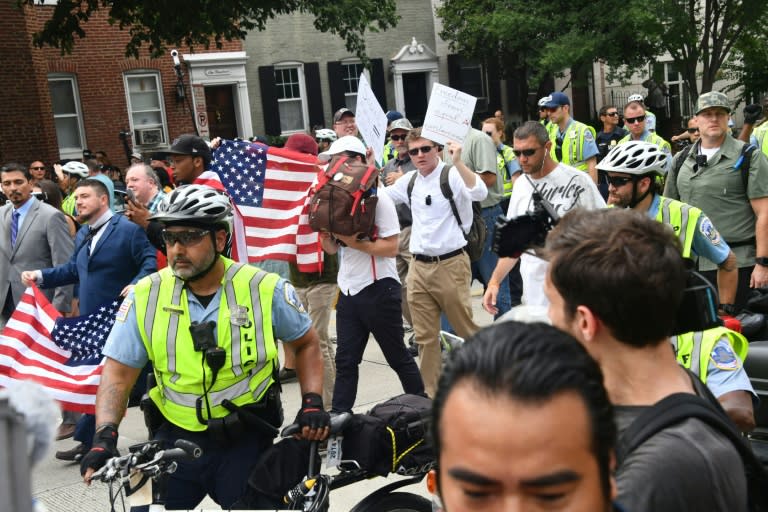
205	324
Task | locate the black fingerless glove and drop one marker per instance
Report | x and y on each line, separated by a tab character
104	448
312	414
752	113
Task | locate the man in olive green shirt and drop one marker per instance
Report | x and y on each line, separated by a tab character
711	178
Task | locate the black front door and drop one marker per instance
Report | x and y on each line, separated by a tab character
416	97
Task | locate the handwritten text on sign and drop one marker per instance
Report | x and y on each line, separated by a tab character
449	115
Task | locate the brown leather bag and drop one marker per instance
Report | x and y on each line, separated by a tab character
344	199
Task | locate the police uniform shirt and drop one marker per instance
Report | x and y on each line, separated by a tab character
725	372
589	149
289	322
707	242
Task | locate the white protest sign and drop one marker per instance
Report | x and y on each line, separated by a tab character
370	118
449	115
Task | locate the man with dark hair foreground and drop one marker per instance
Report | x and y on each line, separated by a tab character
615	282
530	403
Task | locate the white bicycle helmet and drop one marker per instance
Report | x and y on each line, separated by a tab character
325	133
637	158
543	101
635	97
195	204
76	168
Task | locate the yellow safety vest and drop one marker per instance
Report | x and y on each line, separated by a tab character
653	139
68	204
573	144
503	156
244	329
389	152
760	134
683	219
694	348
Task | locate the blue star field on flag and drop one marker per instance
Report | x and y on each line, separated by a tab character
242	167
85	336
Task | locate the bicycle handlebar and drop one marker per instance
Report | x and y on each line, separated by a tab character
147	458
338	422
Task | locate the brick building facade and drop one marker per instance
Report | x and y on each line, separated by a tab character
57	105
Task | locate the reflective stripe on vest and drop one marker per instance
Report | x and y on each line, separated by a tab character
682	217
653	139
693	349
573	145
244	331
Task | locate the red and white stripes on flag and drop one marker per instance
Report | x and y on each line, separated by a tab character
270	187
28	352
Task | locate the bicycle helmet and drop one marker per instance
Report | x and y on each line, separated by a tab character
325	133
76	168
543	101
637	158
195	204
635	97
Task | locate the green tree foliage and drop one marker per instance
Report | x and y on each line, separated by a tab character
628	35
161	24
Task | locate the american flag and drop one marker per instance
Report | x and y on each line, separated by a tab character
270	187
62	354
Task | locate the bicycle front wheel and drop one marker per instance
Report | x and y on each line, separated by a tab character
401	502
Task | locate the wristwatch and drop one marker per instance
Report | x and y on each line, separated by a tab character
762	261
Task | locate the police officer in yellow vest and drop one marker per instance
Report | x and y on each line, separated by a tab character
632	169
573	143
716	356
209	326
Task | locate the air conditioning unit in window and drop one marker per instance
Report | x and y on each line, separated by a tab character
149	136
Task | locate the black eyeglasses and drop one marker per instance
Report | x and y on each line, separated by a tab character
424	150
41	168
185	238
397	137
490	134
617	181
323	140
526	152
633	120
692	130
612	114
41	196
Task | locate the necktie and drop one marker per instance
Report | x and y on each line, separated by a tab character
14	227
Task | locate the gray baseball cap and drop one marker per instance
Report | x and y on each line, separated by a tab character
401	124
712	99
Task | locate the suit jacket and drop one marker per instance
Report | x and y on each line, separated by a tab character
122	256
43	241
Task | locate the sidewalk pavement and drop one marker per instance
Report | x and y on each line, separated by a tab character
59	487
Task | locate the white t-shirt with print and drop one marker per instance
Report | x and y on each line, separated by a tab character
566	188
358	269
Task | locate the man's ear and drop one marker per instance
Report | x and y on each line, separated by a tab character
586	323
221	240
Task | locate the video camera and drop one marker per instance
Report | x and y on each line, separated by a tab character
513	236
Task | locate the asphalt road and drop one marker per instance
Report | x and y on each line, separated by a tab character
57	485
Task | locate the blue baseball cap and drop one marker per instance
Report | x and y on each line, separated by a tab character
556	99
393	115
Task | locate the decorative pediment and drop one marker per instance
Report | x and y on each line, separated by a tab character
414	52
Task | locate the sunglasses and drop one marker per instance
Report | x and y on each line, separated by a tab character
41	196
612	114
617	181
552	109
322	140
633	120
490	134
424	150
185	238
397	137
692	130
526	152
37	168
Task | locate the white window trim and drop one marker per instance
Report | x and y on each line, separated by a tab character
71	153
302	92
483	77
164	121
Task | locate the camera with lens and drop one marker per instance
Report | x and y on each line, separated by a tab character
513	236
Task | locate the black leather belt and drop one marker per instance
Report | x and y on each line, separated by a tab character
435	259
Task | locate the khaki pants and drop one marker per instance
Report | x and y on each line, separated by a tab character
432	288
319	300
403	261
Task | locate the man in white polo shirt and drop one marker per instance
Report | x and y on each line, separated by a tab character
370	301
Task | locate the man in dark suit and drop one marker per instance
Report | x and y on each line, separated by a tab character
111	255
33	235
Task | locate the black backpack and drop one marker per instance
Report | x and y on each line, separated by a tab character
478	232
742	164
682	406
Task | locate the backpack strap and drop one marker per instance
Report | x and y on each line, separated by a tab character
677	162
682	406
410	188
445	188
743	163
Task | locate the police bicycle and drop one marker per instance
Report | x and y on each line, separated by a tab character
130	478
